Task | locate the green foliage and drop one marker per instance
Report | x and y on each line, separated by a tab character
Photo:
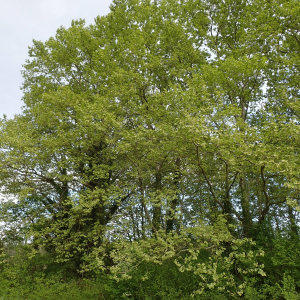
29	274
201	258
159	143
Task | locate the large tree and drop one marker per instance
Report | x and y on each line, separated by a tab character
161	117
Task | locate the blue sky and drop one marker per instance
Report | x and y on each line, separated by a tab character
24	20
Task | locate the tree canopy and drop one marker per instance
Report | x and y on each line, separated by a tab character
165	132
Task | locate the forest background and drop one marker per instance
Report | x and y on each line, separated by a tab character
156	156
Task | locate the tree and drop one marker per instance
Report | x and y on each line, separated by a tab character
155	117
